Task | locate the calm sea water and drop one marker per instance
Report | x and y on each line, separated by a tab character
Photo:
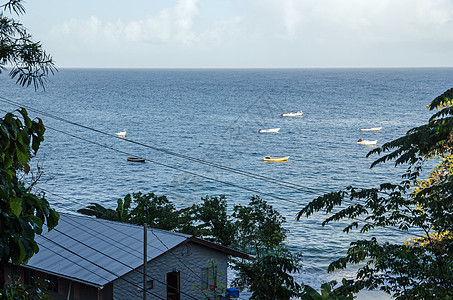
214	115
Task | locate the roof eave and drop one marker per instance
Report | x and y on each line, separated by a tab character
218	247
99	287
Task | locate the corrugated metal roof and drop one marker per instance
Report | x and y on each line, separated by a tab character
97	251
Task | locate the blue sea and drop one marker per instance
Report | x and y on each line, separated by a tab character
214	115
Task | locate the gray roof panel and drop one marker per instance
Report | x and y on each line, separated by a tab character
97	251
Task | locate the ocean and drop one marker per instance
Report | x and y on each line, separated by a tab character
179	118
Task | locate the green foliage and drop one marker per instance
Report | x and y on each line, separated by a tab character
30	63
22	214
214	223
17	291
156	211
268	276
216	291
260	232
259	226
255	227
327	293
423	267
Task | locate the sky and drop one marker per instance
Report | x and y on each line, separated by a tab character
243	33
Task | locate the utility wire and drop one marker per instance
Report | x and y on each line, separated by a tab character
116	260
75	263
175	168
186	157
97	265
107	240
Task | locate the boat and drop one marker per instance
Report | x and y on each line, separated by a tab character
371	129
366	142
296	114
135	159
121	133
272	130
268	158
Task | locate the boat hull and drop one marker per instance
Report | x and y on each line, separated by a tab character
135	159
371	129
367	142
273	130
267	158
292	115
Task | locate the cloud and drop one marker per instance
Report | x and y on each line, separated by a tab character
379	20
272	33
172	24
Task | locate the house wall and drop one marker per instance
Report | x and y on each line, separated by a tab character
189	259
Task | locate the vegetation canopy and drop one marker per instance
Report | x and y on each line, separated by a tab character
29	63
422	267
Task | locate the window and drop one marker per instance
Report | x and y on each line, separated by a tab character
173	285
150	284
209	277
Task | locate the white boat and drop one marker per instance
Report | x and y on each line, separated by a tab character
272	130
296	114
366	142
371	129
121	133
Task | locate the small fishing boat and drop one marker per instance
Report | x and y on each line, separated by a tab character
366	142
296	114
135	159
268	158
272	130
121	133
371	129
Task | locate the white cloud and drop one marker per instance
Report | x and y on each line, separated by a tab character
273	33
169	25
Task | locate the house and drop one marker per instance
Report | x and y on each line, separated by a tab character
88	258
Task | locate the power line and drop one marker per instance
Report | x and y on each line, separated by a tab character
116	260
175	168
108	241
178	169
186	157
97	265
75	263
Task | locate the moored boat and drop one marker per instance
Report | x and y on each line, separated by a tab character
366	142
135	159
371	129
268	158
121	133
272	130
296	114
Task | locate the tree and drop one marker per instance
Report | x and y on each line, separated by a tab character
256	228
268	276
215	225
17	291
156	211
22	214
260	231
423	267
259	226
30	63
327	293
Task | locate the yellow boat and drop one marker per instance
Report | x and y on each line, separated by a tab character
268	158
